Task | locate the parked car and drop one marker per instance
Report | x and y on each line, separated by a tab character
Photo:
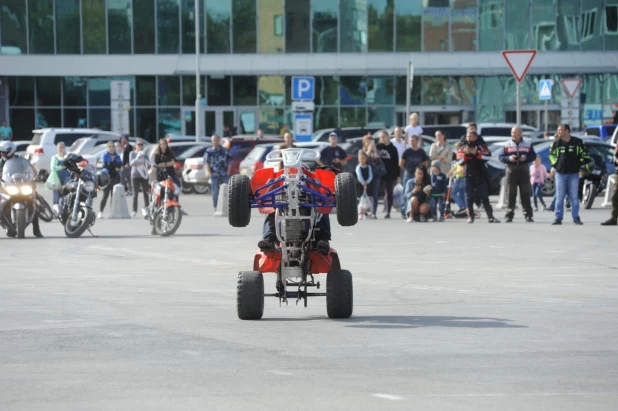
84	144
353	146
256	159
451	131
605	131
239	146
499	129
177	138
22	146
542	147
43	144
344	133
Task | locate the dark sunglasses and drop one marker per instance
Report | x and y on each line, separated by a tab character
139	144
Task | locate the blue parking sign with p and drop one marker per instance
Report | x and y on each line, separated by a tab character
303	88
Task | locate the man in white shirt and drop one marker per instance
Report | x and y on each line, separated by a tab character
413	129
398	141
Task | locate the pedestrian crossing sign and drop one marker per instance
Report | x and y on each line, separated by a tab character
545	89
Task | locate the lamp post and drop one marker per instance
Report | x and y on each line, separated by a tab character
198	96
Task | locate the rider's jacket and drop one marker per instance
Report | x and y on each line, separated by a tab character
511	148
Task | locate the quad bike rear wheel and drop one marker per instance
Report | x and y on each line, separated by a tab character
239	191
345	199
339	294
250	295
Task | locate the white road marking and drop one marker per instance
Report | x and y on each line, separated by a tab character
388	397
277	372
158	256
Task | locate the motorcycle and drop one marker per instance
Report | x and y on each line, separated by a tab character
593	183
164	210
18	196
75	205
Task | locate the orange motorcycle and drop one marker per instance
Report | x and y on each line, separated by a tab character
164	211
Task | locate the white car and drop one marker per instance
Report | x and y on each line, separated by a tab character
43	145
499	129
84	144
195	174
22	146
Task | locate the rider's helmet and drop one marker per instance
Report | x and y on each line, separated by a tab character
103	178
7	149
72	160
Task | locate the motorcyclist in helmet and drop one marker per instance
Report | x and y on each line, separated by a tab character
7	152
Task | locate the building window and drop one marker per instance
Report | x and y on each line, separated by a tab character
589	18
278	23
325	34
611	19
491	25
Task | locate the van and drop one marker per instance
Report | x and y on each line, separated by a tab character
43	145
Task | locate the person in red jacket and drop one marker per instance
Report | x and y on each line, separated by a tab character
473	155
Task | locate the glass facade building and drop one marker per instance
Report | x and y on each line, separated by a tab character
58	57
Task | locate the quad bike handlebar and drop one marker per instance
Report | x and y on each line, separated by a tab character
293	157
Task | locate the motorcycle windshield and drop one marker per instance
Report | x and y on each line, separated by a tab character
89	172
17	171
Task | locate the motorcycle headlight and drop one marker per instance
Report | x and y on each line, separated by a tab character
12	190
27	190
89	186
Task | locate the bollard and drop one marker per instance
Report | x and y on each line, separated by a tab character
609	191
222	202
119	207
502	200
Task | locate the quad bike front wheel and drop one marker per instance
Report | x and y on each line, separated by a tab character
250	295
239	201
345	199
339	294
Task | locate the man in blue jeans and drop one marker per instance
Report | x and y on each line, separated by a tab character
568	156
218	163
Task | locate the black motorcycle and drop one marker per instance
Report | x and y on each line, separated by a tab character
592	183
18	196
75	205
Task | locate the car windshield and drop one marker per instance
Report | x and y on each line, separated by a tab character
179	149
16	170
197	151
256	153
77	144
95	150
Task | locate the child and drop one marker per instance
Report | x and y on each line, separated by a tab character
538	175
417	194
364	175
438	189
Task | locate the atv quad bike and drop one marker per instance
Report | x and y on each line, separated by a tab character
298	197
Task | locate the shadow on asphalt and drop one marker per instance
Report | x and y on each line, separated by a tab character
404	321
411	321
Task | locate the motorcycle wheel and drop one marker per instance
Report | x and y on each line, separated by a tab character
84	217
167	227
201	188
590	193
20	217
45	211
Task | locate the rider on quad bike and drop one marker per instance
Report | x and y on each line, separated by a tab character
322	234
322	226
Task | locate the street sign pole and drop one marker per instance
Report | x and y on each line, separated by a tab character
409	84
518	104
546	117
198	97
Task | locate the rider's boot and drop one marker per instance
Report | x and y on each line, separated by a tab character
323	246
36	230
266	246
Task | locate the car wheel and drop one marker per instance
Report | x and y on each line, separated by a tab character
549	187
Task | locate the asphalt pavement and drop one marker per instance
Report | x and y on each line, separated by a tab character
447	316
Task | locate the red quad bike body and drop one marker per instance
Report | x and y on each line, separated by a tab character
298	197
